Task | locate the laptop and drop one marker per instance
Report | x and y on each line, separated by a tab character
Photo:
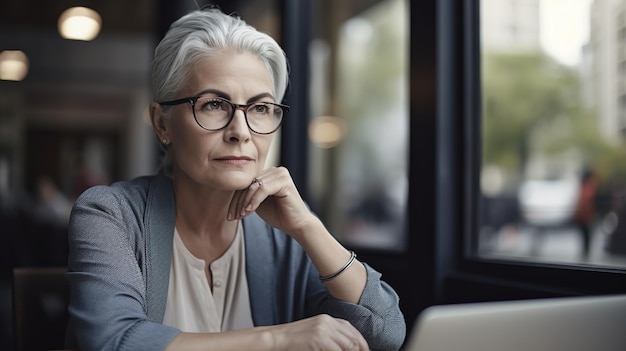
589	323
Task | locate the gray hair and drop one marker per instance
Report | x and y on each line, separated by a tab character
203	33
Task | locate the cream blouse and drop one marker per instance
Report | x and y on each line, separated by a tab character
192	306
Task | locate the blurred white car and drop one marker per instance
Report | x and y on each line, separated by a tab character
548	202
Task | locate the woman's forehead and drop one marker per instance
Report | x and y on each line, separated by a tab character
229	70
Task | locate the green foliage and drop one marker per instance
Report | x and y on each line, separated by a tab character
531	103
371	72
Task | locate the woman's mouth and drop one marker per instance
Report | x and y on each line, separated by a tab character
235	160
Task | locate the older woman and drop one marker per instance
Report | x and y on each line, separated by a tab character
217	252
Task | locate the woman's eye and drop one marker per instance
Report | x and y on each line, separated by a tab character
212	105
261	108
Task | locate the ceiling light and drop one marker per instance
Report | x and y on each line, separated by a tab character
79	23
326	131
13	65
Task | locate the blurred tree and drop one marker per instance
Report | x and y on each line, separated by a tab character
520	92
532	105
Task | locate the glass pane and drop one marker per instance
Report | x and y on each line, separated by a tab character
359	130
554	107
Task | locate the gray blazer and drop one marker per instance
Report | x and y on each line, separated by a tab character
120	242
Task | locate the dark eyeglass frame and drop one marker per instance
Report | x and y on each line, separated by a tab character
193	99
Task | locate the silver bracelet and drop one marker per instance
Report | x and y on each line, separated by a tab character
345	266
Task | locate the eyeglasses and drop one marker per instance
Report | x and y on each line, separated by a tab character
214	113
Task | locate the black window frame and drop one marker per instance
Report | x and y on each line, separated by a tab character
462	276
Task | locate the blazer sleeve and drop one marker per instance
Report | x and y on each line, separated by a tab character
377	315
107	286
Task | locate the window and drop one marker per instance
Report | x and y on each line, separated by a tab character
359	127
553	175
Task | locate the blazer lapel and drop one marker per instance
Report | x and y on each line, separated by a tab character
260	270
160	219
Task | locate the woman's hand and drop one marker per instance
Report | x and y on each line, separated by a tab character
321	332
274	196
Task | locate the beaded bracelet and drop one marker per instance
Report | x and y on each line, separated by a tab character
345	266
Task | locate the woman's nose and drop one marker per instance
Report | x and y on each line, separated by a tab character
238	129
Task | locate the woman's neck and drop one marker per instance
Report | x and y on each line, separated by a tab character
202	211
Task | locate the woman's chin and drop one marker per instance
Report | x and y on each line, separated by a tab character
239	182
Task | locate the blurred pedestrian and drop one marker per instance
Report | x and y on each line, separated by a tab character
585	213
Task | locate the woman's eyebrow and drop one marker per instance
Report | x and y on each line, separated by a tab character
260	96
219	93
224	95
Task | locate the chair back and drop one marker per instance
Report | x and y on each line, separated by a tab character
40	299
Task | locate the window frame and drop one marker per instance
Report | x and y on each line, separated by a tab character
459	77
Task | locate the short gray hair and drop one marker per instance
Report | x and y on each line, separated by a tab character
203	33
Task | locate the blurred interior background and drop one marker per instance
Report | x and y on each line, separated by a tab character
71	119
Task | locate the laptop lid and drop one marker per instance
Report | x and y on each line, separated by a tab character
589	323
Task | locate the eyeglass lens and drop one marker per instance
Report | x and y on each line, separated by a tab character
216	113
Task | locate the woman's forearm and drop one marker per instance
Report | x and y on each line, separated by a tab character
247	339
329	256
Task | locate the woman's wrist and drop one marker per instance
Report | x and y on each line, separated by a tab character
311	229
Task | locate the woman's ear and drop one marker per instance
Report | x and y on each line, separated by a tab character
158	123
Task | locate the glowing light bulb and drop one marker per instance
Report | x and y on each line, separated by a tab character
13	65
79	23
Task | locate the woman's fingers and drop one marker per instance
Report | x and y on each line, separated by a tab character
321	332
247	200
271	182
273	195
258	191
348	338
